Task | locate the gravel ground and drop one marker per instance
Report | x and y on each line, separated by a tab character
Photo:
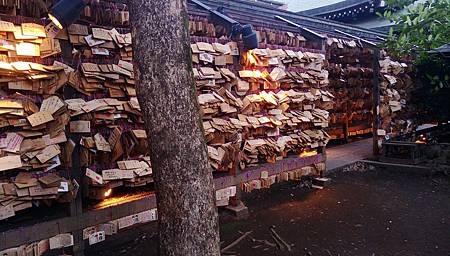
358	213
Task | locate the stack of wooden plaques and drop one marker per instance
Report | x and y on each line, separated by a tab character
276	37
265	181
116	79
35	151
395	85
275	104
203	28
132	173
283	106
98	41
34	78
105	115
105	13
33	144
42	124
26	40
350	67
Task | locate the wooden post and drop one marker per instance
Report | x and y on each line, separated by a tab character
345	125
76	206
376	100
187	215
236	170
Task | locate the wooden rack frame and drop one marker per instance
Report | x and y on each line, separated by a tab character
79	219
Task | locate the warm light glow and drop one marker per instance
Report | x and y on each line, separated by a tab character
55	20
6	66
265	75
257	74
28	49
108	193
422	139
21	66
308	153
108	202
251	59
7	45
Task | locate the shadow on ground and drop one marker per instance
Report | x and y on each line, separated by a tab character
359	213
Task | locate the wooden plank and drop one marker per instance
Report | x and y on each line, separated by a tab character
400	167
287	164
401	143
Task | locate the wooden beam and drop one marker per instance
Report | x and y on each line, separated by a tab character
288	164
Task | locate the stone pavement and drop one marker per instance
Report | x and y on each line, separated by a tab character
343	155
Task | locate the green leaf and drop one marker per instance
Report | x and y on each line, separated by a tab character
388	14
437	37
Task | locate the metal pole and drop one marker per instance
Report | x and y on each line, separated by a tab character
217	13
309	31
371	44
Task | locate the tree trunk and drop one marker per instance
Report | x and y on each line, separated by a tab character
188	222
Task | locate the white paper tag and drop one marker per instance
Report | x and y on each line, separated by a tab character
64	187
97	237
223	202
225	193
60	241
110	228
87	232
125	222
6	212
52	30
147	216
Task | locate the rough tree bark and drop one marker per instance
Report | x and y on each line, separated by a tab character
188	222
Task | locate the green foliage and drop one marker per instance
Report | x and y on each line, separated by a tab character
423	27
398	4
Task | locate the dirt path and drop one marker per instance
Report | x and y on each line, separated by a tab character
371	213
